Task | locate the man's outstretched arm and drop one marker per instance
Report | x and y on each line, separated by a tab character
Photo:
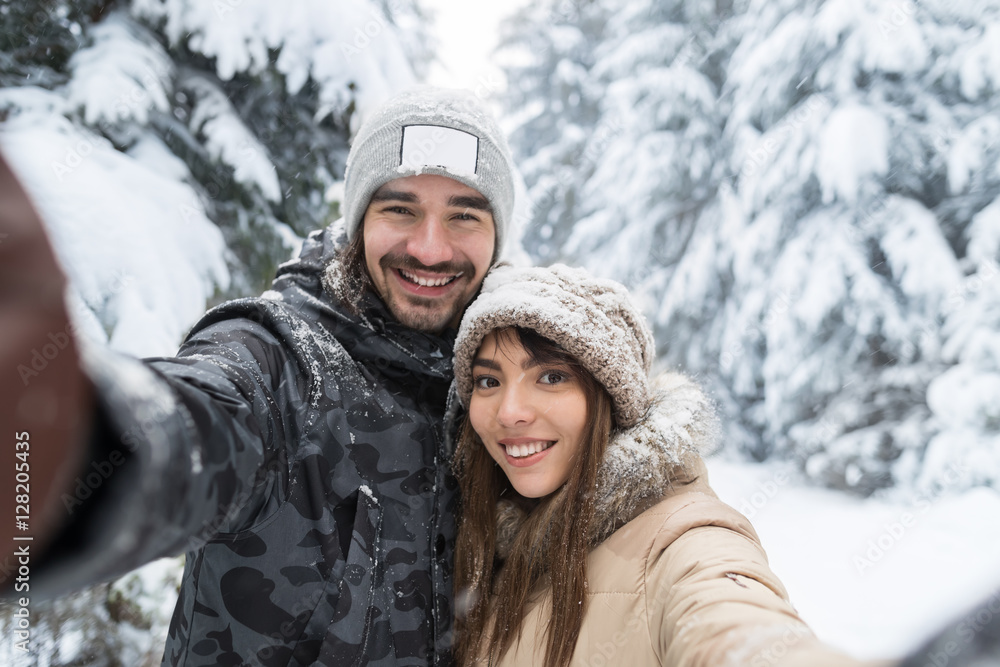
45	399
126	460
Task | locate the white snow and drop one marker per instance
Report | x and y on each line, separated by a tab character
878	34
872	577
338	44
365	489
853	145
229	140
968	154
142	255
912	242
123	75
984	235
980	66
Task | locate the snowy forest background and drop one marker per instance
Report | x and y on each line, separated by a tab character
803	194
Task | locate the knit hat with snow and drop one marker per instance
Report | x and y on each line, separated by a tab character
593	319
430	130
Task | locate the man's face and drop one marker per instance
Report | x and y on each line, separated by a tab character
428	245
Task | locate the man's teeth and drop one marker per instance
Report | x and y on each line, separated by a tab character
428	282
520	451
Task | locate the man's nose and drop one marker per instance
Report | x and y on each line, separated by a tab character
430	243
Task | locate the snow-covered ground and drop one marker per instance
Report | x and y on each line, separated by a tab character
872	577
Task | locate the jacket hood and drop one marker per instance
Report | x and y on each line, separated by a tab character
643	463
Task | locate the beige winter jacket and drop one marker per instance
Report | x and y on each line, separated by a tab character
686	581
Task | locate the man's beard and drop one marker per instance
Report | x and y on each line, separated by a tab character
432	314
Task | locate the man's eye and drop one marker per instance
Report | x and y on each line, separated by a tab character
466	216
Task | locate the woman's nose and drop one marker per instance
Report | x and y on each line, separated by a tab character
515	406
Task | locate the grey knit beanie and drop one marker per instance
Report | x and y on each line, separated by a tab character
430	130
593	319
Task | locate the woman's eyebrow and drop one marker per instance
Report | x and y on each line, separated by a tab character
485	363
490	364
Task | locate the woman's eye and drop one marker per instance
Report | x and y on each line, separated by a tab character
485	382
553	377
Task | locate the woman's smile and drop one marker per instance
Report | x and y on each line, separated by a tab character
525	451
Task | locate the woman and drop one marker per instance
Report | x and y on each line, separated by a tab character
588	533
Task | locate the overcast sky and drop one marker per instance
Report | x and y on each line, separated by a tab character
467	33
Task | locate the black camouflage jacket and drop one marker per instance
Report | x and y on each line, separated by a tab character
295	453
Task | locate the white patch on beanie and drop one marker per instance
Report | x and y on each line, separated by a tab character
437	146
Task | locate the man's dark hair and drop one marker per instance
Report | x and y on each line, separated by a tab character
355	274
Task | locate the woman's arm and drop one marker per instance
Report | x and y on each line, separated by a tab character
713	600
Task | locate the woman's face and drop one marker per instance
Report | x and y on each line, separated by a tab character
530	417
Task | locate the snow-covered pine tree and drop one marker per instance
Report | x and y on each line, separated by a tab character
143	129
840	191
965	399
547	50
622	188
655	150
846	244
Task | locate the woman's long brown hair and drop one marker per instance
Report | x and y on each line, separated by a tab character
554	541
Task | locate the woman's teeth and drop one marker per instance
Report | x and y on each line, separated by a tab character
520	451
427	282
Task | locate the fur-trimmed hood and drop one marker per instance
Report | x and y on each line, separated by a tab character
644	462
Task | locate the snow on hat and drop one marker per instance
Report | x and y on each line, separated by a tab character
430	130
593	319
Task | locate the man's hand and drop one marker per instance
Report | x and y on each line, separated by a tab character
45	399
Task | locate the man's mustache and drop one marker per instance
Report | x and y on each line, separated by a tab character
404	261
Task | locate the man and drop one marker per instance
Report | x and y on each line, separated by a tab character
294	448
